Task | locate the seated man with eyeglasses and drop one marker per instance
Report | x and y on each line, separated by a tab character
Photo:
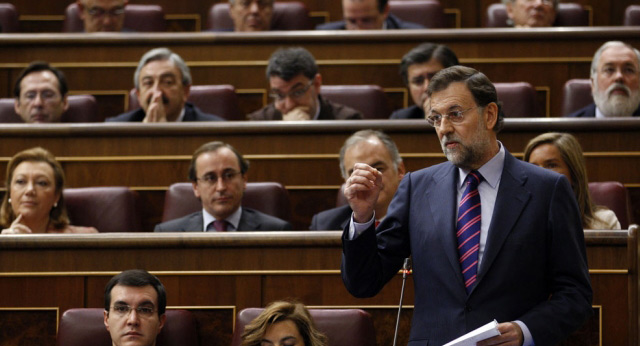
134	308
40	93
102	15
218	173
295	89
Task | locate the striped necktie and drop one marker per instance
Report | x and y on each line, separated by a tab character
468	225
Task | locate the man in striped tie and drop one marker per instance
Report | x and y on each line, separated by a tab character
491	237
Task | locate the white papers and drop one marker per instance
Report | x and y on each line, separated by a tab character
470	339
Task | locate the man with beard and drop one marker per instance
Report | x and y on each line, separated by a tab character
615	82
491	237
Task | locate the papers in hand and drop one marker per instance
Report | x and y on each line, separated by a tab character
470	339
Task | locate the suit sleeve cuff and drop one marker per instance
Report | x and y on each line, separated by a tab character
355	228
528	339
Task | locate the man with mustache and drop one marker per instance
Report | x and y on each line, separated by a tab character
615	82
162	82
218	173
491	237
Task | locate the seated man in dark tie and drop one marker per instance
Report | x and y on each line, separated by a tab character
367	15
219	176
41	93
416	68
251	15
377	150
162	82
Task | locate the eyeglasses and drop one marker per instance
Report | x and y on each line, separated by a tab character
435	119
98	12
212	178
260	3
142	311
419	80
294	94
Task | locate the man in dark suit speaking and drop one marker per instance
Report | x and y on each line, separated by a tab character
491	237
219	176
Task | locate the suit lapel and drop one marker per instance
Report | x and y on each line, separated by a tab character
195	223
248	222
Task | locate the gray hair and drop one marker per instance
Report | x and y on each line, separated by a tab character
605	46
163	54
363	135
287	63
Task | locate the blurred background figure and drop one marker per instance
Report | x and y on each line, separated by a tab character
41	93
531	13
251	15
102	15
367	15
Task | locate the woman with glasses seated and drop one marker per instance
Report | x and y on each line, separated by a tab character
561	152
33	202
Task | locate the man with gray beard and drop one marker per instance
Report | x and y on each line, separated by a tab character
615	82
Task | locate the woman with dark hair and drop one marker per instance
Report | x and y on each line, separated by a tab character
33	202
561	152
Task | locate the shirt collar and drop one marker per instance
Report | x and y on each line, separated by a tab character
181	116
317	109
491	171
599	114
233	219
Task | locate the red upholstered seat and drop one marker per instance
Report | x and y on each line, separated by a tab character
220	100
613	195
82	327
8	18
82	109
290	15
343	327
370	100
632	15
428	13
139	18
107	208
575	95
569	14
518	100
268	197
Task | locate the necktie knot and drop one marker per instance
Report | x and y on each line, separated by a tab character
218	226
474	178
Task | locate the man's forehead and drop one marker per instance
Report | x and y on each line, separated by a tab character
39	77
277	83
619	54
134	294
104	3
160	68
223	156
455	94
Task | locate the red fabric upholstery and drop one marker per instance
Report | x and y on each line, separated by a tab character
575	95
343	327
291	15
428	13
368	99
109	209
8	18
82	109
569	14
612	195
518	100
140	18
220	100
268	197
632	15
81	327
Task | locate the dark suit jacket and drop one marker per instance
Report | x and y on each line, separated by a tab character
590	112
534	268
413	112
328	111
332	219
250	220
191	113
392	21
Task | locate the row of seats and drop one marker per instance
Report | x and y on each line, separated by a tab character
343	327
113	209
519	100
295	16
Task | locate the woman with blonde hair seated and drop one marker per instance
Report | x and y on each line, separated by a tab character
283	323
561	152
33	202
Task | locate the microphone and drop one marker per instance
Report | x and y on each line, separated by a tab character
406	269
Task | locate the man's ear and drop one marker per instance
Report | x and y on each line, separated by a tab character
163	319
106	319
491	115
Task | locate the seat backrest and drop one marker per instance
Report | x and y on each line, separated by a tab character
575	95
632	15
343	327
290	15
613	195
81	327
370	100
220	100
140	18
82	109
9	18
108	208
268	197
518	100
428	13
569	14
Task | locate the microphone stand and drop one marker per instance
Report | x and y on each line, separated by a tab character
406	268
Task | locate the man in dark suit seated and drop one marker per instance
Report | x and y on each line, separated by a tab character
376	149
251	15
162	82
295	89
367	15
219	176
102	15
615	82
416	68
41	93
491	237
531	13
